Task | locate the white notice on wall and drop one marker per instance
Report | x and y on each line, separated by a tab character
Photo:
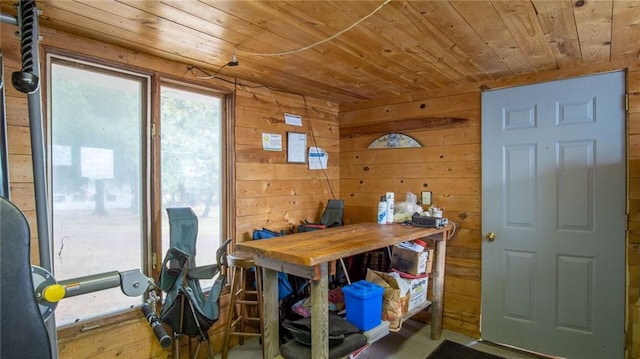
294	120
317	158
271	142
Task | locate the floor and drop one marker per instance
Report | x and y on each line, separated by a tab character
411	342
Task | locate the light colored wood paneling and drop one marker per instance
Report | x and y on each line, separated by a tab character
519	17
460	148
458	30
275	206
258	171
135	340
634	102
557	22
17	111
593	20
634	145
494	33
404	185
20	169
359	50
412	170
448	165
634	123
270	192
19	140
443	106
275	188
626	16
633	81
432	151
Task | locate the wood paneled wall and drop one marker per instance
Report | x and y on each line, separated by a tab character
448	165
270	192
274	194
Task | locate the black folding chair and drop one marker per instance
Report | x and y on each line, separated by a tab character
186	309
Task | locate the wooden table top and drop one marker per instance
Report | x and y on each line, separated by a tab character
316	247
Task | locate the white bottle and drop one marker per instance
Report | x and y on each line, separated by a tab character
382	210
390	196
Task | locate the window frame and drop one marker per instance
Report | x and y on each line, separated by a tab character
151	241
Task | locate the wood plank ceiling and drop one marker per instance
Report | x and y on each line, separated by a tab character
390	48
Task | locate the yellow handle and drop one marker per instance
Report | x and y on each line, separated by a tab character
490	237
54	293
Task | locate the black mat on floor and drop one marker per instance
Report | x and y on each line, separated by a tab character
451	350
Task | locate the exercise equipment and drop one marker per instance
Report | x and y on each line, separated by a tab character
27	80
24	334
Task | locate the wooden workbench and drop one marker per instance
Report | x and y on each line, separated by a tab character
308	255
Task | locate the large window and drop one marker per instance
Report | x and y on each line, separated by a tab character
102	176
191	159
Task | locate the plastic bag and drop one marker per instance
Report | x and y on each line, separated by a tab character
404	210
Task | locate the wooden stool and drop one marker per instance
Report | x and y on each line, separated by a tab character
239	263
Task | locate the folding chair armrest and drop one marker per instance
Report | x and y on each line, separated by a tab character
203	272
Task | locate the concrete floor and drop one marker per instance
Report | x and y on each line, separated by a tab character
411	342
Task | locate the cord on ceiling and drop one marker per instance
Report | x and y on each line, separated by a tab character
319	42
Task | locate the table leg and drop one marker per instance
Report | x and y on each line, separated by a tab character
271	316
320	315
438	290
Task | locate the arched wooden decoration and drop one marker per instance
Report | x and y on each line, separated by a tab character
394	140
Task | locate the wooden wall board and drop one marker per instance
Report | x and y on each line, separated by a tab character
275	188
257	171
412	170
258	121
634	145
462	286
17	111
634	123
429	139
415	185
633	81
634	167
20	169
274	206
270	192
413	109
434	153
19	140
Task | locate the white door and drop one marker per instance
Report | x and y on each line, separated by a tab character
553	196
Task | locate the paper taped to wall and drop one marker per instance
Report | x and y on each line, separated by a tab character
317	158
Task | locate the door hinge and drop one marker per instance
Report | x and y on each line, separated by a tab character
626	102
153	131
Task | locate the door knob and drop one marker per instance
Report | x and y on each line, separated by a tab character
490	237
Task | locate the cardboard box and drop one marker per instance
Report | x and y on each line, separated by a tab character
417	292
412	262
